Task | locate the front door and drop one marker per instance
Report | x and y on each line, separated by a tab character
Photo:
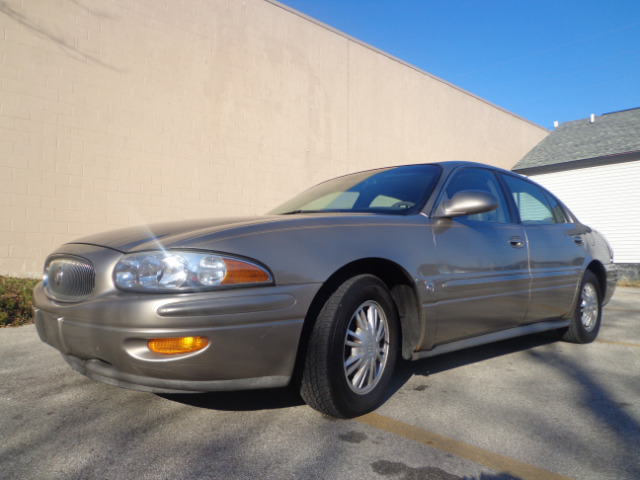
482	268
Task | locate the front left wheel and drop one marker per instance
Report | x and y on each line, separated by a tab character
352	350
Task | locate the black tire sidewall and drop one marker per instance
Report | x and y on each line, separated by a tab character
582	334
362	289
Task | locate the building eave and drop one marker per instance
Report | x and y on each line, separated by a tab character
581	163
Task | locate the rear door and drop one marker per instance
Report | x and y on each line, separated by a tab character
482	270
556	249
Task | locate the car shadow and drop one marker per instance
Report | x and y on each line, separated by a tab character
449	361
279	398
243	400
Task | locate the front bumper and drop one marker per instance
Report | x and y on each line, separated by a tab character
253	337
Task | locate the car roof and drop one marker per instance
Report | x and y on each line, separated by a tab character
452	164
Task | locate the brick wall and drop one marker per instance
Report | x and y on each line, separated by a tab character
120	112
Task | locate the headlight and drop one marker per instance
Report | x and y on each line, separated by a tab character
185	271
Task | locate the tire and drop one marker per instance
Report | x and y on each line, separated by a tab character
587	316
352	350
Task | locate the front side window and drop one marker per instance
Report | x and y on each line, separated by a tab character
531	202
399	190
482	180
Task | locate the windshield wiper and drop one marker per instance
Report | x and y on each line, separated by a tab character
293	212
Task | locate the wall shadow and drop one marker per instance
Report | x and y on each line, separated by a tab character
68	45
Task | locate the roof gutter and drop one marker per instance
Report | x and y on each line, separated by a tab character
582	163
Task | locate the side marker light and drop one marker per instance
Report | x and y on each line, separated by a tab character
172	346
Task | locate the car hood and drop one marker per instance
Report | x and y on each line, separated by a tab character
203	232
166	234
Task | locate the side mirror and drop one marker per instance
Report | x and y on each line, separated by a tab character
466	202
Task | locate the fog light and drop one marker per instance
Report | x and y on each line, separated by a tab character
171	346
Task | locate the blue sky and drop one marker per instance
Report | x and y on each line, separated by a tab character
543	60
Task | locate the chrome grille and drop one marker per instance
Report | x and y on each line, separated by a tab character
68	279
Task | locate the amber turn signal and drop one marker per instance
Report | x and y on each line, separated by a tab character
243	272
172	346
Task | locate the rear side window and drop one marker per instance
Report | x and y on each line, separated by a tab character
531	202
558	212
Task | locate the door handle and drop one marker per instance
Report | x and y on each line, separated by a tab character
578	240
516	242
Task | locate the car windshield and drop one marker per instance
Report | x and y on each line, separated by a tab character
396	190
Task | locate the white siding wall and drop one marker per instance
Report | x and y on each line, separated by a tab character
607	198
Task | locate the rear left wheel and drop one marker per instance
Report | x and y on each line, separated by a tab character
585	324
352	350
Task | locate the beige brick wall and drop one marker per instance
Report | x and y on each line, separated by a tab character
120	112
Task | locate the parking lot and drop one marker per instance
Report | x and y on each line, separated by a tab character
530	408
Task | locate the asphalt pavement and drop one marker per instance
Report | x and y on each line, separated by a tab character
530	408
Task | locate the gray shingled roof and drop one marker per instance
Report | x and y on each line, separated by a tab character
611	134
